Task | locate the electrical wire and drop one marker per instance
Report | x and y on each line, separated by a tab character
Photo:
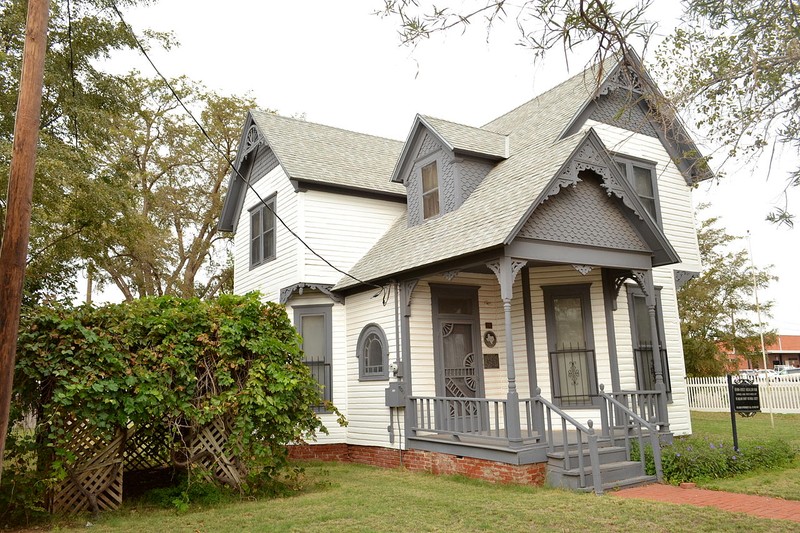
219	151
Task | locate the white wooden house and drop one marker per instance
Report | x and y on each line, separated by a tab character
498	292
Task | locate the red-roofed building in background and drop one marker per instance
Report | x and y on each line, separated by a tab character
784	351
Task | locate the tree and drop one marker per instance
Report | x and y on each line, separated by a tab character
163	183
717	308
126	185
733	65
80	34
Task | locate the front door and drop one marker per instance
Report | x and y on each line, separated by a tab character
458	359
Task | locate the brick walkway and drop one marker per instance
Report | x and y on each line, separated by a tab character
760	506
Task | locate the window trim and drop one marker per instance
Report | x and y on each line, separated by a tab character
630	162
634	291
262	209
366	332
326	311
431	159
582	290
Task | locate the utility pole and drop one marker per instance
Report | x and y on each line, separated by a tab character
14	250
761	329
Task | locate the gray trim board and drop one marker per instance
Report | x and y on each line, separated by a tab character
576	254
529	454
303	185
609	294
527	310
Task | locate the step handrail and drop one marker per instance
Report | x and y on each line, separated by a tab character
581	430
640	423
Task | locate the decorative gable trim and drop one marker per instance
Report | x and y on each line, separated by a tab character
630	75
591	154
252	139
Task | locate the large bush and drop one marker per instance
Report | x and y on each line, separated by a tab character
176	362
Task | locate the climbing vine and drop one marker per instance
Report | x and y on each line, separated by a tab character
179	363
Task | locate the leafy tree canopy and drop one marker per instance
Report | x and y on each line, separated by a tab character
733	66
718	309
125	184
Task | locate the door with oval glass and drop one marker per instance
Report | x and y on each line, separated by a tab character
458	358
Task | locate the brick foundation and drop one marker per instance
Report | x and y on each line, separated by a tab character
424	461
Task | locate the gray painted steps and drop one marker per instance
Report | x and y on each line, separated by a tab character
615	470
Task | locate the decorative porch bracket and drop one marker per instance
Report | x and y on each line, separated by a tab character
506	270
324	288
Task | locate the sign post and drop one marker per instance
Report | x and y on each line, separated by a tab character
744	399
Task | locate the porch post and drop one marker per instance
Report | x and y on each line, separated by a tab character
410	414
645	279
506	271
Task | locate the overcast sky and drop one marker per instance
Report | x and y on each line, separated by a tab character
338	64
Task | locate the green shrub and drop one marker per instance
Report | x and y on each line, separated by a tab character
178	363
690	459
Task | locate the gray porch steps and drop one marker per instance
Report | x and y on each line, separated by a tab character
615	470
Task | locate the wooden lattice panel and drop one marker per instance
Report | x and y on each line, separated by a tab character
208	447
147	448
96	473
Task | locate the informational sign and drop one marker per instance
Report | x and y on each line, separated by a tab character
745	398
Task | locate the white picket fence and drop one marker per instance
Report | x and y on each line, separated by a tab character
781	395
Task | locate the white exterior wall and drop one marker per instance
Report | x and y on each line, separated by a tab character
677	218
341	229
269	277
367	414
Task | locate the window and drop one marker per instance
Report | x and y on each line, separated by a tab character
373	354
430	191
642	176
642	337
262	233
313	322
570	343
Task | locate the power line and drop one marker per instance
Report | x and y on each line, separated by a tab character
225	157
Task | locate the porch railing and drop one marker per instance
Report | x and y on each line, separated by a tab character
622	424
476	417
642	402
570	427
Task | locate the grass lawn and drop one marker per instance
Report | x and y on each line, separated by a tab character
343	497
778	483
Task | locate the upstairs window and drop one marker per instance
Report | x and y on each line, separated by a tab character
430	191
262	233
642	176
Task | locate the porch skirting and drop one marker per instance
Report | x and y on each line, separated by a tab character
424	461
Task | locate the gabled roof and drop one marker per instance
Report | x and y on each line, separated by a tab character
323	154
458	138
312	153
492	215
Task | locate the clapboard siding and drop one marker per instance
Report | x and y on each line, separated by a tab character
270	277
367	414
342	229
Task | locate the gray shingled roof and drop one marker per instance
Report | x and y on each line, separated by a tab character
489	216
468	138
331	156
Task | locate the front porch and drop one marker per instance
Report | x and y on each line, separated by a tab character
481	428
574	425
